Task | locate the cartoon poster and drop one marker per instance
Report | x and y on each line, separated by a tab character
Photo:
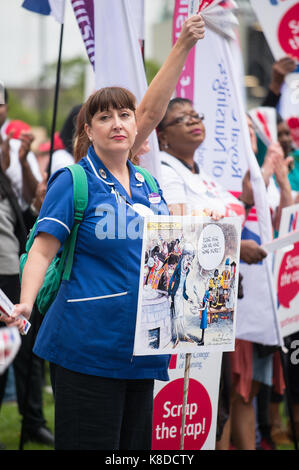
188	286
286	274
202	403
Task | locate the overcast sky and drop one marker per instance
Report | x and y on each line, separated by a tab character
28	40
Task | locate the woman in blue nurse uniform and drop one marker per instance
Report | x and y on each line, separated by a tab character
103	395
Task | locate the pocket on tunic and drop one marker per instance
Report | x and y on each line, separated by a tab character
100	297
106	328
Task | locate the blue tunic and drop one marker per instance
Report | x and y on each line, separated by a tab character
90	326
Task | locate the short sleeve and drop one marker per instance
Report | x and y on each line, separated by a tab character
172	186
57	212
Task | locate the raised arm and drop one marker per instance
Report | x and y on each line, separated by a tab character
29	181
5	152
153	106
280	69
286	197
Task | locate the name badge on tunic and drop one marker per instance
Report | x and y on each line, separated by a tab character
154	198
103	173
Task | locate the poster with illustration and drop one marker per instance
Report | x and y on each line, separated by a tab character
188	285
286	273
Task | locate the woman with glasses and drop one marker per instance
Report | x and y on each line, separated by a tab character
187	189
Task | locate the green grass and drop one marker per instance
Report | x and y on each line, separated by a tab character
10	424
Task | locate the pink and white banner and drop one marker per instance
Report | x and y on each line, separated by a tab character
112	31
185	85
226	155
217	15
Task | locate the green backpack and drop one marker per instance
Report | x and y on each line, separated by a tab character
148	178
61	266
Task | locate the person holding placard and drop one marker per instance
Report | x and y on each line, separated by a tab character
103	395
188	190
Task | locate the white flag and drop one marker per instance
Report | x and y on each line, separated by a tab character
112	31
55	8
264	121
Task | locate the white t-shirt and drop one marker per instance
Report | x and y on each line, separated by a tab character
14	171
60	159
196	191
9	244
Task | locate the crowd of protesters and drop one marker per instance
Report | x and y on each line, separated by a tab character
105	135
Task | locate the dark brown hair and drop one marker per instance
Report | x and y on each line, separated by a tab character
172	102
101	100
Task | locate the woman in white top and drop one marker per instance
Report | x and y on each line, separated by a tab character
186	188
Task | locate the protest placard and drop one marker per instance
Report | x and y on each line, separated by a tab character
201	407
279	20
10	343
286	272
188	285
6	309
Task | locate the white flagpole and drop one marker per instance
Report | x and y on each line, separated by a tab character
185	397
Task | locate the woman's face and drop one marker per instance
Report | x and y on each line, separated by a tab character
285	138
113	130
178	133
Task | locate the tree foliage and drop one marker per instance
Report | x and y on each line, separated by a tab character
71	93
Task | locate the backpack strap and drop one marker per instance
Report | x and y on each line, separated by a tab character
80	187
148	178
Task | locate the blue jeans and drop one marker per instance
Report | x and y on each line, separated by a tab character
98	413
